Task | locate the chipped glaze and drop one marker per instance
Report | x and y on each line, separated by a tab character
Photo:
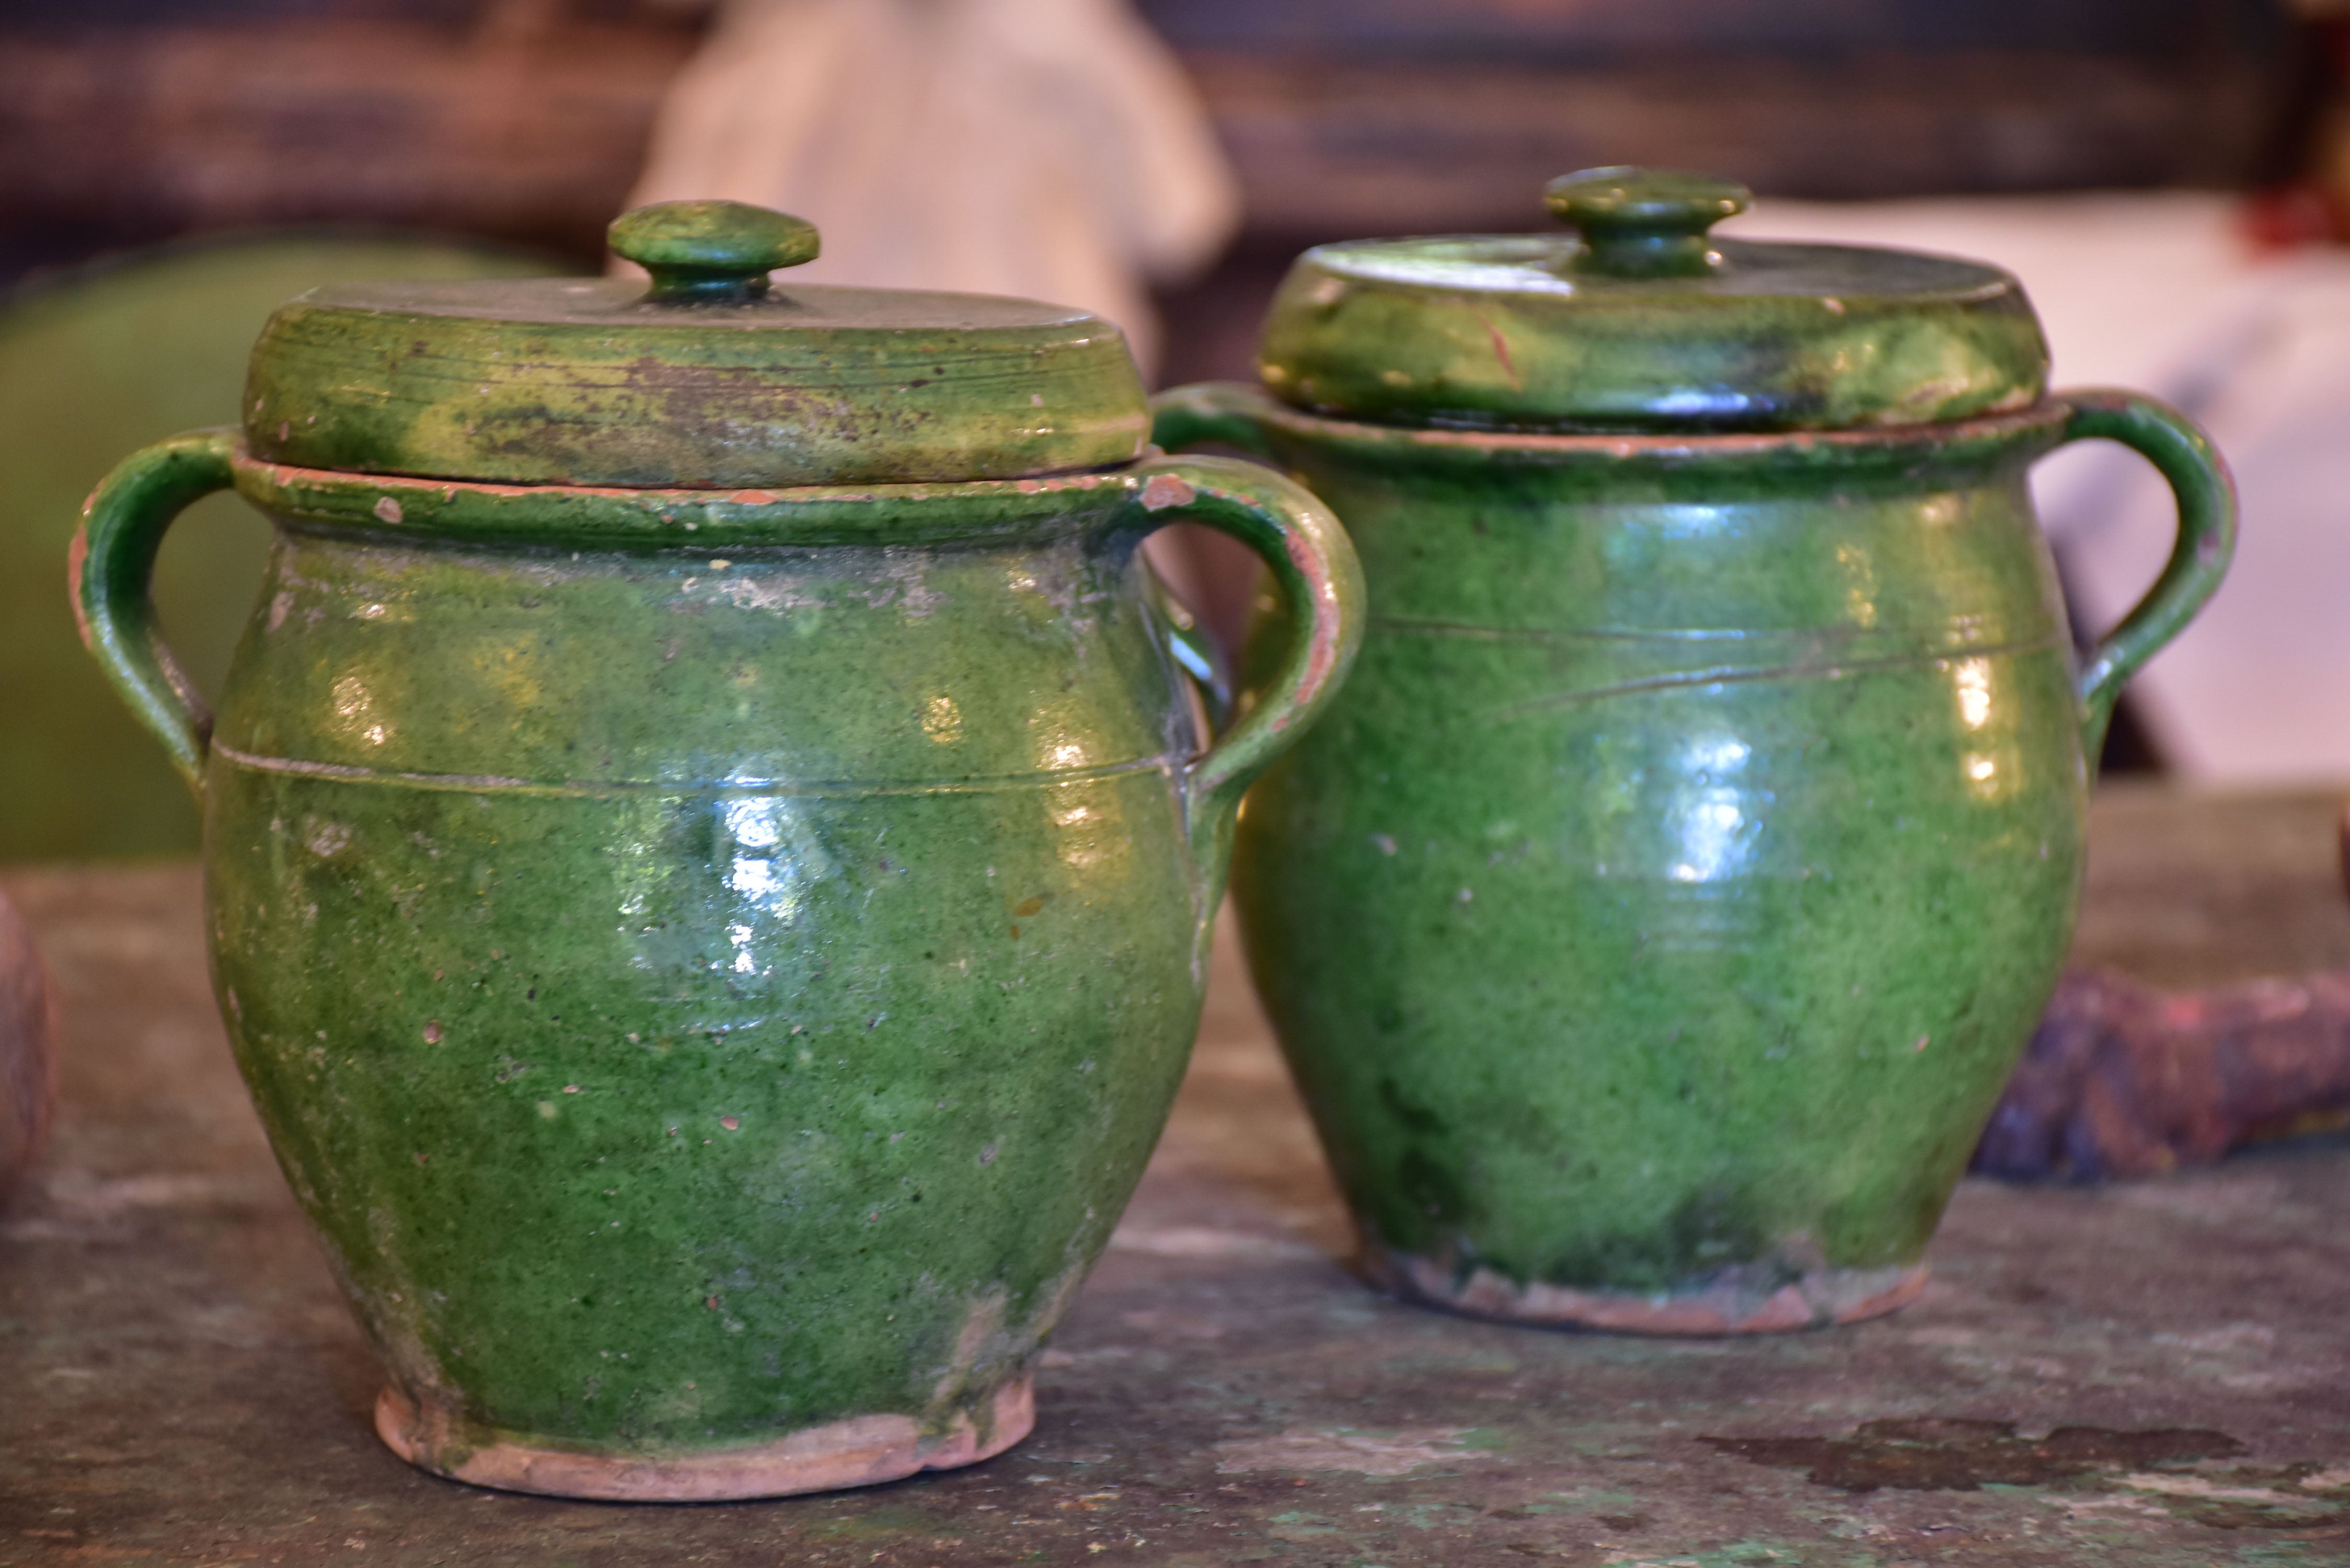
711	965
1652	922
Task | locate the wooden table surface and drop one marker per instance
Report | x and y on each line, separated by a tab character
180	1383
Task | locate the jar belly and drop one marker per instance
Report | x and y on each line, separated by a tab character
1614	958
1616	997
671	1118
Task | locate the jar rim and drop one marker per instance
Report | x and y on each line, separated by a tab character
690	522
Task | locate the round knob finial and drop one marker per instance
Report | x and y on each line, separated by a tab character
1645	223
703	252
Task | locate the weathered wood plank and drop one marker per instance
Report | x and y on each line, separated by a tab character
1341	148
139	133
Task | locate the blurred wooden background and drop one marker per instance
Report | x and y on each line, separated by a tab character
128	121
124	123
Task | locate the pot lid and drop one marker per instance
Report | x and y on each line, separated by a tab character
709	376
1641	320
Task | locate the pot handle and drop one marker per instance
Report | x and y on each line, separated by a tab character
1315	566
1207	413
112	567
2206	493
1210	414
1193	647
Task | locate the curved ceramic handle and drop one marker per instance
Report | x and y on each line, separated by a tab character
1201	656
2206	539
1323	583
1210	414
112	565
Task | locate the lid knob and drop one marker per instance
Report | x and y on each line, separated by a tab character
1645	223
710	253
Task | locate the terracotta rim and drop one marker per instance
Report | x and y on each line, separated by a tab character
288	485
863	1450
1000	511
1241	414
1819	1298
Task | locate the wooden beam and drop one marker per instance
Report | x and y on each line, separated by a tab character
531	135
535	132
1328	148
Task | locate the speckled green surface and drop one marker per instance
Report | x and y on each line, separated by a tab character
1662	906
709	376
552	382
699	996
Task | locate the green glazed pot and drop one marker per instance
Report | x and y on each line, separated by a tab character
1653	921
712	963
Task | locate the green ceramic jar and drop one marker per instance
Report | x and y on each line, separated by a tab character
1652	923
709	850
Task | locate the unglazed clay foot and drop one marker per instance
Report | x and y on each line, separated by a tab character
861	1451
1818	1298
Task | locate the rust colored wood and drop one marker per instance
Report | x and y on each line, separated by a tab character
2148	1374
2148	1058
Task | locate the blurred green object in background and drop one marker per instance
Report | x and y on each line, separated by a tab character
94	364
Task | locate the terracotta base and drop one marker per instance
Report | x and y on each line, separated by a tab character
862	1452
1727	1304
